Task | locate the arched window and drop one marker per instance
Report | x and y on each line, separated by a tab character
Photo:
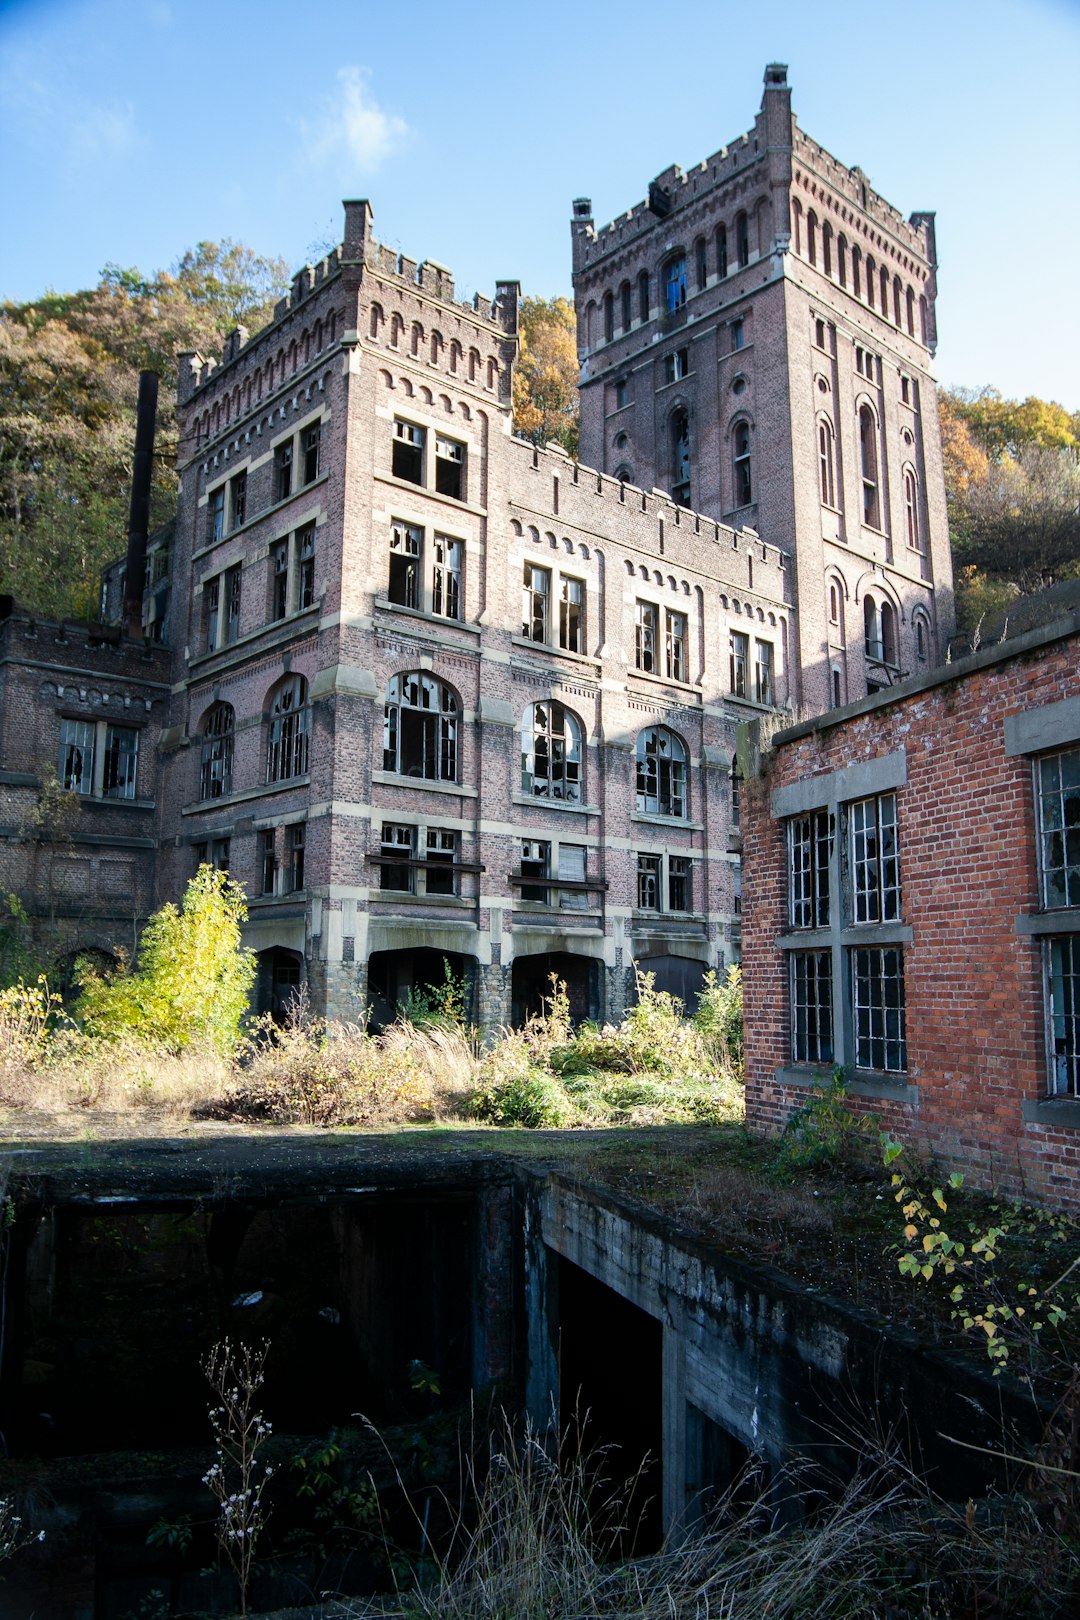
420	728
911	312
742	239
609	317
884	282
836	613
826	462
397	326
215	766
869	460
870	280
416	340
897	294
811	237
551	753
626	299
744	481
826	248
680	457
721	251
287	744
675	283
837	686
841	260
701	269
661	774
856	262
889	637
879	622
643	295
922	637
911	509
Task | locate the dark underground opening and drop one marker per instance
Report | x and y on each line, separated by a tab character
610	1396
370	1306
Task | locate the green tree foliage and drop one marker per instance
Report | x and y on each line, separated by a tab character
69	366
1012	478
191	983
546	376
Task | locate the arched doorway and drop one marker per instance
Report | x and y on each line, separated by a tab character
278	982
397	977
531	984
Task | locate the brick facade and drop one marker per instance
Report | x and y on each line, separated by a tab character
360	692
986	1078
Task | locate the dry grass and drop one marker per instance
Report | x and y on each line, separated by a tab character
77	1073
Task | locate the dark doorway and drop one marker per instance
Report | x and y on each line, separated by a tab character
610	1395
532	985
419	978
277	987
680	976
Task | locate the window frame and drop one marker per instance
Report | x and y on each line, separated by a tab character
551	723
442	719
661	774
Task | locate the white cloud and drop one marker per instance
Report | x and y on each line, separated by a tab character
355	126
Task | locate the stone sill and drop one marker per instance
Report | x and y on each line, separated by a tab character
1056	1111
436	620
227	800
527	644
864	1083
424	783
561	805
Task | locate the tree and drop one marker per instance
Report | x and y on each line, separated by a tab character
546	376
69	366
192	981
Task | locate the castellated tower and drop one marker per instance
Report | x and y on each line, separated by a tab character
441	696
756	338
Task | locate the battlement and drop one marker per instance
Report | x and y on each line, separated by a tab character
852	184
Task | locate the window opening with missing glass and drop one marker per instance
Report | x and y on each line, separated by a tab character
1057	790
98	760
661	774
551	753
420	728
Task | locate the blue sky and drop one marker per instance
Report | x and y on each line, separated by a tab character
132	129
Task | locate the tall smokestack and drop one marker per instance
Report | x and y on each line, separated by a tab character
139	518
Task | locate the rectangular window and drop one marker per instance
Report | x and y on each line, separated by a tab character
408	454
305	566
446	577
310	440
622	395
283	470
405	543
645	625
450	468
1063	1033
399	848
121	756
810	843
648	882
215	854
215	514
443	852
232	604
295	841
875	871
763	672
572	614
877	1001
238	496
279	579
678	883
811	1007
535	863
211	613
739	651
677	365
1058	785
267	861
536	602
76	764
572	869
675	647
738	334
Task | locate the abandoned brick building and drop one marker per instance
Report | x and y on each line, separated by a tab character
433	693
958	1024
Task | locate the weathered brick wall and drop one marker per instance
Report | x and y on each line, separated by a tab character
975	1016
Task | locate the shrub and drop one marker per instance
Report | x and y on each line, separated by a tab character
191	984
719	1016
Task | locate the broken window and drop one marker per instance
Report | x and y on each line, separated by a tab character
231	622
1058	785
875	871
295	843
744	482
279	579
645	625
551	753
572	859
810	843
675	646
216	764
764	691
310	440
238	489
211	613
678	883
283	470
535	863
675	283
648	882
446	577
215	514
398	849
267	861
450	468
287	743
676	365
420	728
76	764
214	853
120	760
408	453
305	566
811	1006
443	853
739	659
536	603
643	295
680	457
878	1013
661	773
571	614
742	239
405	543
